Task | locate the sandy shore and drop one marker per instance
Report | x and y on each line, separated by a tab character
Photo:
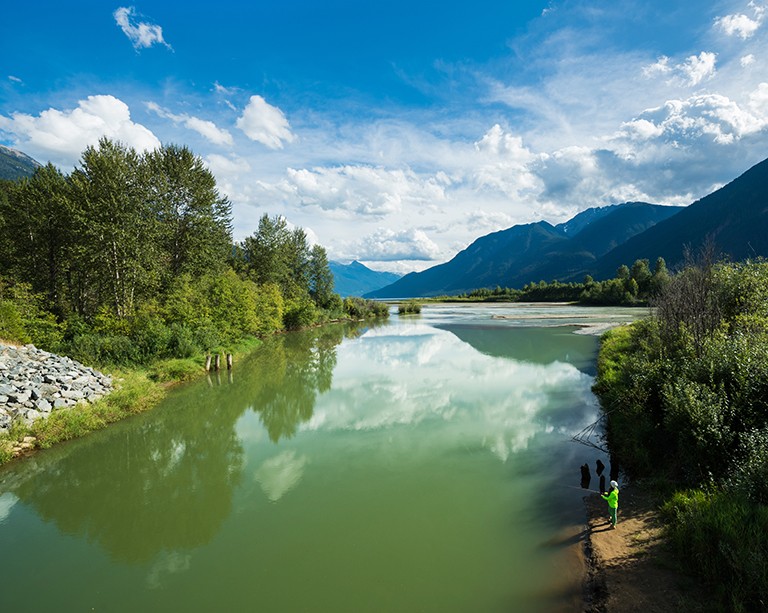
628	569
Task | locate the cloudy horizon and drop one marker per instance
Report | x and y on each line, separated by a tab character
397	138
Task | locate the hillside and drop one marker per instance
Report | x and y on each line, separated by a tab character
355	279
15	164
532	252
735	217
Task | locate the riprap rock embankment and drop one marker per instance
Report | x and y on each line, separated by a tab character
34	382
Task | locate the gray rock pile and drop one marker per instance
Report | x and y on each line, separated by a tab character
34	382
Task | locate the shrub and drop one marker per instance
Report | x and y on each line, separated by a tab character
409	308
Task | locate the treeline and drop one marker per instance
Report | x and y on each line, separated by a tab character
130	258
685	393
631	287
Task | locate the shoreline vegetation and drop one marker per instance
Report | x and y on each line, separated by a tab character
128	265
684	395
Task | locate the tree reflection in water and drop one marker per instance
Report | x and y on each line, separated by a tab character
164	481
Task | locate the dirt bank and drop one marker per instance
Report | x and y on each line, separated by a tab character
629	569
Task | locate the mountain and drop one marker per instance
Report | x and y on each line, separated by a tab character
735	217
598	238
484	263
531	252
15	164
577	223
356	279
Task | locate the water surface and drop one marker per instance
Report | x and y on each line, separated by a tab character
421	465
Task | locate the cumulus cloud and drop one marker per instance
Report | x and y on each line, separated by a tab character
141	34
747	60
265	124
389	245
205	128
503	164
227	166
694	70
61	136
367	191
738	25
712	116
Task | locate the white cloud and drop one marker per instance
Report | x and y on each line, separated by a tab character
61	136
347	191
502	164
661	67
14	79
386	245
641	129
227	166
691	72
738	25
141	34
265	124
699	67
712	116
747	60
205	128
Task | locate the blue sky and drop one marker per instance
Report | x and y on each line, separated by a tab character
396	133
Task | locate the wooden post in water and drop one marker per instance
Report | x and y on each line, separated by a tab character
229	361
217	362
207	363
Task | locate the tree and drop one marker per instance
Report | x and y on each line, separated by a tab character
264	252
641	273
195	220
37	223
659	279
320	277
117	227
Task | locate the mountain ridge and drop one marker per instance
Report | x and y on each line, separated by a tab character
531	252
15	164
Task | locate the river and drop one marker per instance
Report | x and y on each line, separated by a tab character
420	465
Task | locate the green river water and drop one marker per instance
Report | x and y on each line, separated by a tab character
421	465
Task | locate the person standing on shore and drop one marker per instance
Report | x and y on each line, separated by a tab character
612	498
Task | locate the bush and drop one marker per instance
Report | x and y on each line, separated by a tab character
299	314
182	342
724	539
409	308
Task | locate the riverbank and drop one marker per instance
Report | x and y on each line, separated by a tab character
34	382
132	391
630	569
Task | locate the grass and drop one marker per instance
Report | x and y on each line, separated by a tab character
724	539
136	390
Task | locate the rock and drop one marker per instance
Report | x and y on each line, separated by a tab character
72	394
20	397
34	382
43	405
32	416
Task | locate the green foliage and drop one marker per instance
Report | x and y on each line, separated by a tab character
686	397
360	308
11	325
723	538
23	318
411	307
175	370
299	313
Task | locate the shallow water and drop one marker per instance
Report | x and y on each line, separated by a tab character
421	465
